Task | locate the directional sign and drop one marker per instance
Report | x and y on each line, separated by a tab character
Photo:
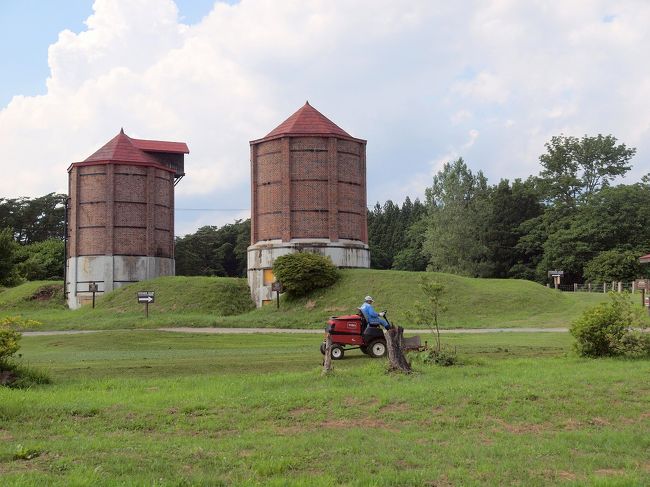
555	273
146	297
276	287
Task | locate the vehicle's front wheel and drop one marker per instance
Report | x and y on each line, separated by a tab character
377	349
322	348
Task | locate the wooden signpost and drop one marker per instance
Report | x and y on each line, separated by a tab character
556	275
276	287
93	288
146	297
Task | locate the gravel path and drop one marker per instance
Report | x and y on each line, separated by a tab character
244	331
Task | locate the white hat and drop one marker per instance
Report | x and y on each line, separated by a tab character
368	298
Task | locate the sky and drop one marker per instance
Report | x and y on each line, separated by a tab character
425	82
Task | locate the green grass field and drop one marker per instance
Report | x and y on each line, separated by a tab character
149	408
204	301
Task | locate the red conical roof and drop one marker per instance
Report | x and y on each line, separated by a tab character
307	121
120	148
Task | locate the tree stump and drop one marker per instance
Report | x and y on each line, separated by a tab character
396	359
327	361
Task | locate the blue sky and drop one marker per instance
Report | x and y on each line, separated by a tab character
424	82
29	27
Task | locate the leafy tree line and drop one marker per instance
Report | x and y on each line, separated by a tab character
569	217
31	238
394	237
214	251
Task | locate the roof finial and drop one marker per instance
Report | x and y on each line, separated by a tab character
307	103
121	130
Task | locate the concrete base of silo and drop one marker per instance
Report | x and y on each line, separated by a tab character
344	254
110	272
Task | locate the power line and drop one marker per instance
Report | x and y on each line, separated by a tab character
212	209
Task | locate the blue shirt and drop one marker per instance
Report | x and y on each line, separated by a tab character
371	315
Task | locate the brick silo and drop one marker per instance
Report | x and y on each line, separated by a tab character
121	215
308	189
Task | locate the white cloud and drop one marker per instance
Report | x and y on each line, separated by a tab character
420	80
485	88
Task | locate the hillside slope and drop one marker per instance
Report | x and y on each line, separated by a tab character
33	295
218	301
219	296
471	303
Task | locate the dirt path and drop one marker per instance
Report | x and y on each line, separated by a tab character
244	331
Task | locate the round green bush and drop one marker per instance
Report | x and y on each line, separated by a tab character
607	330
302	272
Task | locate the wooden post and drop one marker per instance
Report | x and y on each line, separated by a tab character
327	362
620	286
575	287
589	287
605	287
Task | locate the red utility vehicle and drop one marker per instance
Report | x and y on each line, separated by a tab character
351	332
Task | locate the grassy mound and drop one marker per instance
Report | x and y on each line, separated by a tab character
218	296
34	294
472	303
220	301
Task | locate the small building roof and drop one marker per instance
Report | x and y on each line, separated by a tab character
161	146
123	148
645	259
307	121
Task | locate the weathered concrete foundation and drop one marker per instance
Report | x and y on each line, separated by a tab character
344	254
110	272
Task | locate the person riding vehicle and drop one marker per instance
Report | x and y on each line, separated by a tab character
372	317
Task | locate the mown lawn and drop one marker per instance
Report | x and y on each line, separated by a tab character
149	408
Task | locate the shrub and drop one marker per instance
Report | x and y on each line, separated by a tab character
11	373
8	342
444	357
606	330
302	272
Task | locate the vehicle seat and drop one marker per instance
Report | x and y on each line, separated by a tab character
364	320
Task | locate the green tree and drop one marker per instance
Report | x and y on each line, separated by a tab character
389	235
459	208
428	313
510	205
214	251
574	169
34	219
40	260
615	265
8	249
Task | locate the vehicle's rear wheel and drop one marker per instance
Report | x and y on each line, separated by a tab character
364	349
322	348
377	349
337	352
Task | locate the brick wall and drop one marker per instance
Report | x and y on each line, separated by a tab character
119	209
308	187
